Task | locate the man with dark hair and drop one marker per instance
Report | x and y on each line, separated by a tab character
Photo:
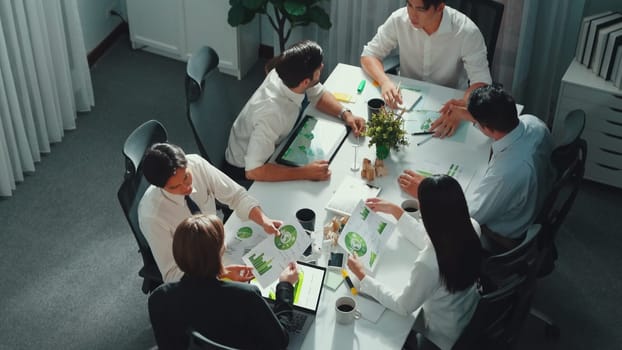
271	113
436	43
519	173
182	185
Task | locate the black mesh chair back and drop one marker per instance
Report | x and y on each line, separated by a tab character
487	15
200	342
489	324
132	190
209	109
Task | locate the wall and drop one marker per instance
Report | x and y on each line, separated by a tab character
593	7
97	23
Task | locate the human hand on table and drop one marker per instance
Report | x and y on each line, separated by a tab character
391	94
356	123
409	182
239	273
452	113
290	274
317	170
355	265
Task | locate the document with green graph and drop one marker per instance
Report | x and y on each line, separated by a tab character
457	169
271	256
366	234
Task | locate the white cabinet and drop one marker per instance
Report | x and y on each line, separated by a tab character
602	103
177	28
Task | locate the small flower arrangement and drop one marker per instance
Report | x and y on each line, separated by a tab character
386	129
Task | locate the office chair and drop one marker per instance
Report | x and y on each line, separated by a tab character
487	328
209	109
568	159
132	190
200	342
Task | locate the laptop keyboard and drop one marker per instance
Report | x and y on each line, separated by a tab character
298	321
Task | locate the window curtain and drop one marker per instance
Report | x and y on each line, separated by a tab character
502	68
44	81
547	44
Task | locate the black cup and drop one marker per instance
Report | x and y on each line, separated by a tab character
306	217
373	106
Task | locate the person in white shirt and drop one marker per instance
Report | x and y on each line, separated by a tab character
271	113
436	43
445	265
519	175
182	185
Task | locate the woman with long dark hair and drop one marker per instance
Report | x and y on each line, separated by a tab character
442	279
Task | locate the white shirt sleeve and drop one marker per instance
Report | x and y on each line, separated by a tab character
159	235
422	284
226	190
474	58
267	127
384	41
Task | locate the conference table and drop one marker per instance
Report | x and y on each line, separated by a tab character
281	200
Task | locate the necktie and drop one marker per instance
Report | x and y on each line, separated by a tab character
192	205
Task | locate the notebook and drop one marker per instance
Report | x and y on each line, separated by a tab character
350	191
307	293
410	98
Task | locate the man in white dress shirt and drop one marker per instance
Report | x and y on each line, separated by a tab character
437	44
519	174
183	185
271	113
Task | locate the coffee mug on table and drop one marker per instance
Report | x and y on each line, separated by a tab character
346	311
373	106
411	206
306	217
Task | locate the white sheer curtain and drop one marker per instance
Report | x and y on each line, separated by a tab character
546	47
502	68
354	23
44	81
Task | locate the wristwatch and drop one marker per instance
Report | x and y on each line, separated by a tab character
343	111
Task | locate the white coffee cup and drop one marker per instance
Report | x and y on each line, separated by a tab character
411	206
346	311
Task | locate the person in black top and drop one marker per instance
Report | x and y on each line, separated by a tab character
231	313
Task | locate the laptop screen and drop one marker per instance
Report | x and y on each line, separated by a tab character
307	291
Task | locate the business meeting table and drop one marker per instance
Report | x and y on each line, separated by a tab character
280	200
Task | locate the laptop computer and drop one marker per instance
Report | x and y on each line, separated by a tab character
307	293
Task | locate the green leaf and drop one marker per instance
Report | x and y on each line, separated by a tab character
239	15
319	16
254	5
294	8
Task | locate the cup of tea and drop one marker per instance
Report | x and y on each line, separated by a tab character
345	308
306	217
411	206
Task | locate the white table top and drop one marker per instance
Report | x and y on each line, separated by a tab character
281	200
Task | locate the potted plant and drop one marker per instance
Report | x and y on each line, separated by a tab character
295	12
386	131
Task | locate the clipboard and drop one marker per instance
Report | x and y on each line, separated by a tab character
313	139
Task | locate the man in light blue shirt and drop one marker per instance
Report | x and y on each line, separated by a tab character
519	174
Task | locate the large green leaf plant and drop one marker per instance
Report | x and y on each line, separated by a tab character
296	12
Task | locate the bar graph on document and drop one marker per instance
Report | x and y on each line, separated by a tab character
271	256
429	167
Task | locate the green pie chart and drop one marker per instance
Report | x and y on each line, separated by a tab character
287	238
245	232
356	244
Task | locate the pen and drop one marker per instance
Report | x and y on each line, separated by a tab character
425	140
344	273
422	133
361	86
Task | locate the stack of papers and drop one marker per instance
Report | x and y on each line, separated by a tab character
349	193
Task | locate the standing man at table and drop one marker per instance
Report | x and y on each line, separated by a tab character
272	112
183	185
519	175
437	44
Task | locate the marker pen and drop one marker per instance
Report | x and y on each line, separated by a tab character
344	273
361	86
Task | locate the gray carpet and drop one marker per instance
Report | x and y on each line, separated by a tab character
69	262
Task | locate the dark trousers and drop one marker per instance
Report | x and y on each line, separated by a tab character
237	174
